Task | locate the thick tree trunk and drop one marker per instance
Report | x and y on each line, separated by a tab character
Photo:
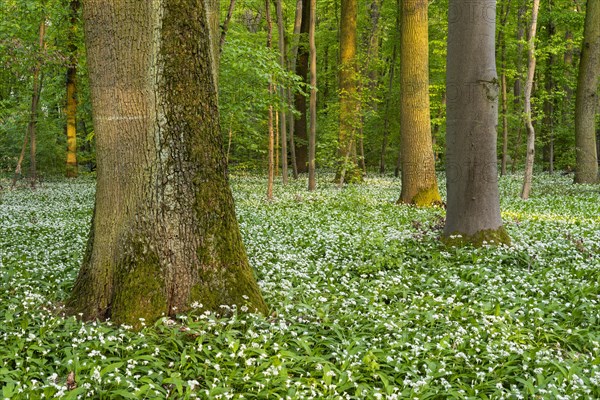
312	138
300	125
348	170
71	109
530	155
164	233
473	210
587	97
419	182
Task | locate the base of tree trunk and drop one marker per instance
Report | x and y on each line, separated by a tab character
429	197
351	175
486	237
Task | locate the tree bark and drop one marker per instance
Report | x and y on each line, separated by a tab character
348	170
473	210
225	26
164	234
419	182
530	155
587	97
282	113
271	172
386	121
300	125
292	64
502	42
71	109
312	183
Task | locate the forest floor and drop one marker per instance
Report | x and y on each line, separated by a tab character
367	304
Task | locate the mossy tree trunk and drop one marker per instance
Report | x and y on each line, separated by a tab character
164	232
473	207
71	109
419	183
348	170
587	97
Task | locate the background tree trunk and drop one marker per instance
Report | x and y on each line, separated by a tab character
530	155
348	171
473	210
312	184
71	109
292	63
282	114
300	126
419	183
225	26
587	97
271	152
164	233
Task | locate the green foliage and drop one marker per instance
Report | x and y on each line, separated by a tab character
367	303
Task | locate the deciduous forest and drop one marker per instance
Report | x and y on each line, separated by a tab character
300	199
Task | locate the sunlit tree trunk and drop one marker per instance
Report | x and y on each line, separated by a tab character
71	109
473	210
348	170
530	155
312	138
521	24
587	97
164	234
419	183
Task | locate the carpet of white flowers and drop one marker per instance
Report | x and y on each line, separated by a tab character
366	302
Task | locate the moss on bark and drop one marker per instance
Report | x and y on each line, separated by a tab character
425	197
139	289
487	236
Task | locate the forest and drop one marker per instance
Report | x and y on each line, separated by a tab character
292	199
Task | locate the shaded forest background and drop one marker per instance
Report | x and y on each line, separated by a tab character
247	65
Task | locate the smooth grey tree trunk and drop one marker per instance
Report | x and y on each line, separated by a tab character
473	206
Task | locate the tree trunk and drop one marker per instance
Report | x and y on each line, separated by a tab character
386	121
419	182
473	210
292	64
225	26
517	85
300	128
530	155
587	97
282	114
502	42
71	109
312	184
271	173
164	234
33	116
348	170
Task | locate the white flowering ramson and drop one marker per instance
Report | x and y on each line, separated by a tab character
365	302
